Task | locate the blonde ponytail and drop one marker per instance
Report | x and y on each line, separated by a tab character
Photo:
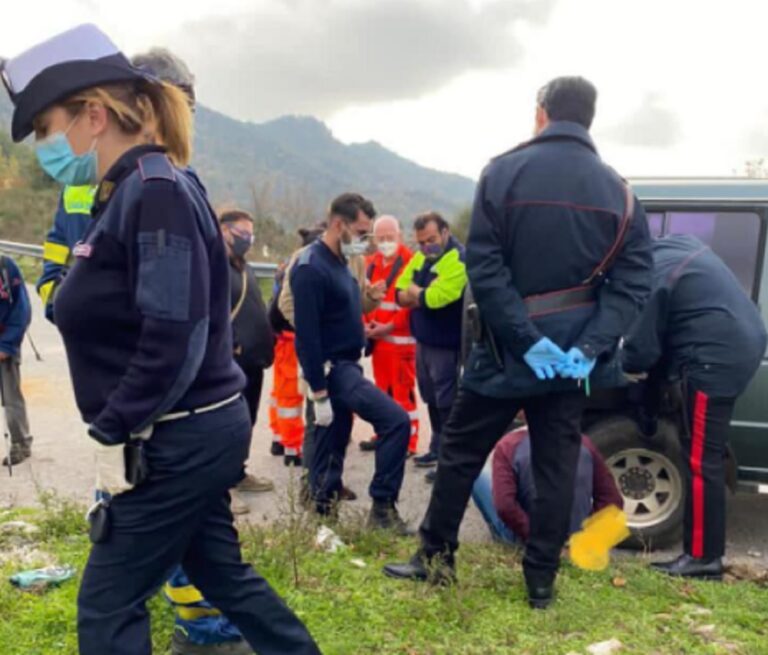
173	120
158	110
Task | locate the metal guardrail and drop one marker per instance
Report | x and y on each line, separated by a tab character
25	249
265	270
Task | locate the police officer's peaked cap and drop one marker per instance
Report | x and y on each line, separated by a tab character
53	70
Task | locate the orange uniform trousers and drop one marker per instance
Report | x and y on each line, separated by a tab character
394	372
289	402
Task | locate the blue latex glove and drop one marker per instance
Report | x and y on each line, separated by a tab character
544	357
576	365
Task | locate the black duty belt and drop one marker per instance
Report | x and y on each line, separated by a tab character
558	301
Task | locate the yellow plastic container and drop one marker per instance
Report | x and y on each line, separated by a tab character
590	548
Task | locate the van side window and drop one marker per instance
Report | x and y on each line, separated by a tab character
655	223
733	236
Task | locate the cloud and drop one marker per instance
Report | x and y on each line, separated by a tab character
651	125
319	56
754	139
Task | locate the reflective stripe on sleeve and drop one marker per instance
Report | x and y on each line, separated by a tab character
55	252
195	613
45	291
186	595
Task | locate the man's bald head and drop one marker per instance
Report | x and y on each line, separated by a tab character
386	235
386	226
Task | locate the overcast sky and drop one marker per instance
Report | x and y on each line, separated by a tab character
451	83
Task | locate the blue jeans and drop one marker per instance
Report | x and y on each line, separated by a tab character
351	393
482	494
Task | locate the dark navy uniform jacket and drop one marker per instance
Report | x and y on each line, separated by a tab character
545	216
328	312
142	314
699	321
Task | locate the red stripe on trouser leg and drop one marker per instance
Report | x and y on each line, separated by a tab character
697	478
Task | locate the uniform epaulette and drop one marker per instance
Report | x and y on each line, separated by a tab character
519	146
305	256
156	166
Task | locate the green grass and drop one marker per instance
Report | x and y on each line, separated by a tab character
354	611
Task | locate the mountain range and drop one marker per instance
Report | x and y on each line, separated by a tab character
291	167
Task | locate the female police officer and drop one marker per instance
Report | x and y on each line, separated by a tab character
149	344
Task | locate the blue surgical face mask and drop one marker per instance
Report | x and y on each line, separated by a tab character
59	161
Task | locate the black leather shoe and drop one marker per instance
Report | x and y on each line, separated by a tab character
347	494
425	461
277	449
541	590
384	516
368	446
686	566
292	460
438	571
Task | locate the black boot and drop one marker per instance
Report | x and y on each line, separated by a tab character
368	446
292	460
541	589
347	494
437	570
686	566
19	452
277	449
384	516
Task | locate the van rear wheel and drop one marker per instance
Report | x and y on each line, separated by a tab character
649	473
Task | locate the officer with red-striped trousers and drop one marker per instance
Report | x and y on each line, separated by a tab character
700	329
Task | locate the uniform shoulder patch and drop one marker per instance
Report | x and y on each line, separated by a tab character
305	257
156	166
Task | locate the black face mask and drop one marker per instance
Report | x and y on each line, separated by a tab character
240	246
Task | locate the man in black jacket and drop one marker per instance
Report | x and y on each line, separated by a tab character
702	330
252	335
559	261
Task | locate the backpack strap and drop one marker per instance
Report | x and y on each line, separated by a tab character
233	314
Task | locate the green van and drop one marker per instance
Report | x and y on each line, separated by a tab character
731	216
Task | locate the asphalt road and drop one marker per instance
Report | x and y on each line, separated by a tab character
62	459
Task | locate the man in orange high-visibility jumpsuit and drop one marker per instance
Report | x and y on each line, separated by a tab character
387	328
290	401
286	415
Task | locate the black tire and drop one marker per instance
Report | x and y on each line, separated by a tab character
650	475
